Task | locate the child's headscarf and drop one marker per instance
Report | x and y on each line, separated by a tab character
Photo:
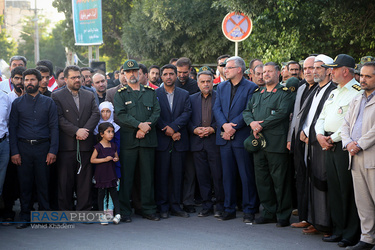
109	106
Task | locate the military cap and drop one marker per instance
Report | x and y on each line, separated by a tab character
206	68
292	84
130	64
366	59
252	144
341	61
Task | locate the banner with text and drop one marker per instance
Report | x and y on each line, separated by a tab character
87	20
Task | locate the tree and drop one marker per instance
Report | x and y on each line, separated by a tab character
50	45
115	13
7	45
292	29
162	29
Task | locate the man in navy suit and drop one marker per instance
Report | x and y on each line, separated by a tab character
173	142
231	99
206	153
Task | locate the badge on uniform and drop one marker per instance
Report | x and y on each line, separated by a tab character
273	112
128	102
331	96
340	111
149	108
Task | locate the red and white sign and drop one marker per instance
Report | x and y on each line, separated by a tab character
236	26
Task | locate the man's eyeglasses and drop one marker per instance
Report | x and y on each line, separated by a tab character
225	68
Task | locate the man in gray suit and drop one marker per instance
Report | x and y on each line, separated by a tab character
78	116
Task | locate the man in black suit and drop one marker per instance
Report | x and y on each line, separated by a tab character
78	116
173	142
206	154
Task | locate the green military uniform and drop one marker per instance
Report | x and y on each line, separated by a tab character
271	162
132	108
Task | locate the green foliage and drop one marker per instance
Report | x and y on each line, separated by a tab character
50	45
292	29
162	29
115	14
7	45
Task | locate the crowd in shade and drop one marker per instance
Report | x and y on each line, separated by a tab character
266	141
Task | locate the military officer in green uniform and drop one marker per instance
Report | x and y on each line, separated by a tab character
268	113
137	110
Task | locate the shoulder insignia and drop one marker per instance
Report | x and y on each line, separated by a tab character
256	90
356	87
148	87
123	88
285	88
274	90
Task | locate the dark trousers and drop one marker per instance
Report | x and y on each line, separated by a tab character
344	214
234	158
301	181
113	192
169	174
143	159
189	180
274	184
10	192
70	180
33	171
209	171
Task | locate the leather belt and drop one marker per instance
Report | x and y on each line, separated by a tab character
4	137
328	133
33	142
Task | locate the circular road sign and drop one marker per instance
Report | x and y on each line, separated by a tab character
236	26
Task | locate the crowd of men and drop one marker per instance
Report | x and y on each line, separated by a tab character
298	137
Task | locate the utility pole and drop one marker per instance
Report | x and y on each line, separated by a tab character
36	40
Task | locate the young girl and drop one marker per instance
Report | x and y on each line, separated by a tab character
104	156
107	115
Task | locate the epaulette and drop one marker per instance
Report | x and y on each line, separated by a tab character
256	90
148	87
123	88
285	88
356	87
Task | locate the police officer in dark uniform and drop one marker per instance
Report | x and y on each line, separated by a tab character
268	112
137	110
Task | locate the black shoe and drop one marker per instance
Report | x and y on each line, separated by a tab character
205	213
345	243
23	225
262	220
332	238
126	218
153	217
190	209
217	214
248	218
164	215
227	216
282	223
180	214
362	246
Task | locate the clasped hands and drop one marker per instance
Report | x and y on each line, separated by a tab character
229	131
144	128
203	131
176	136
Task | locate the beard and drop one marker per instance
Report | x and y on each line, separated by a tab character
19	88
31	89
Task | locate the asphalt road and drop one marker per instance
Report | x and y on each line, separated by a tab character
172	233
